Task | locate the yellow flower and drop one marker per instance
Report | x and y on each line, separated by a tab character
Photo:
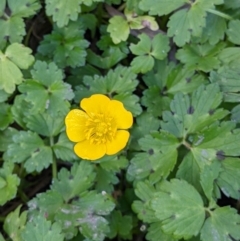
100	129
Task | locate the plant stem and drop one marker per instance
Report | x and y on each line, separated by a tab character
186	144
54	162
220	14
28	35
23	196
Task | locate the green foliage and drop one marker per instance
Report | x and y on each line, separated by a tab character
225	223
112	85
175	66
65	45
29	148
62	11
120	225
125	24
180	208
12	14
147	51
70	202
200	57
41	229
8	183
15	223
46	90
16	57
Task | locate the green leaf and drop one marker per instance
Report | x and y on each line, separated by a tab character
63	11
236	114
147	49
3	96
113	163
143	46
230	172
13	30
45	124
16	56
5	116
118	24
139	168
180	208
233	31
232	4
215	29
190	115
92	225
227	78
11	24
71	184
66	46
119	80
162	155
141	129
155	233
221	137
190	21
48	202
3	183
162	164
23	8
29	148
20	110
1	238
200	57
6	138
47	91
39	229
208	177
145	191
189	171
130	102
9	190
111	57
19	55
166	80
105	180
160	46
120	225
14	224
63	148
161	7
2	6
142	64
222	225
230	56
96	203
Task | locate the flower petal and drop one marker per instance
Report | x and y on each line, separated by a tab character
96	104
123	118
75	125
89	151
118	143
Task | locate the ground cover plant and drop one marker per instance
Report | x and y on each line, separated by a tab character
119	120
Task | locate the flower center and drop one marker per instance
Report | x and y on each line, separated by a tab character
100	128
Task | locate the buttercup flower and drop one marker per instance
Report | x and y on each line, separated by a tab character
100	129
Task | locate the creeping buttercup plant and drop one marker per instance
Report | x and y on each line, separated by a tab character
119	120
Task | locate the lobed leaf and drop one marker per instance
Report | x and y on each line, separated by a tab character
10	65
9	183
180	208
28	148
40	229
222	225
